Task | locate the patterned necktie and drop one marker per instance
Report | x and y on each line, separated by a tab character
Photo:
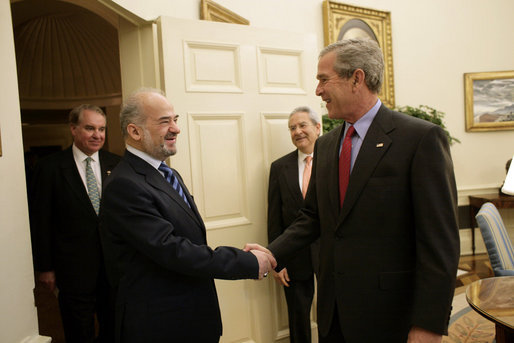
173	181
345	160
92	186
306	175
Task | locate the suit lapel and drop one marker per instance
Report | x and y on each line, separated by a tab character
291	176
106	165
156	180
374	146
329	162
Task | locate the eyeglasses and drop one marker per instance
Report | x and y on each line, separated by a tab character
301	126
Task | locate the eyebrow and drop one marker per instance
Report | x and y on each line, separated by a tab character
167	117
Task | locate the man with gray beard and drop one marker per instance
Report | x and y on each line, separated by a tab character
154	239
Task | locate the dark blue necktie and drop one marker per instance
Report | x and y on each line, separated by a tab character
173	181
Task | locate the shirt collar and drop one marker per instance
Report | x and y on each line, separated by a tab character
301	155
80	156
144	156
362	125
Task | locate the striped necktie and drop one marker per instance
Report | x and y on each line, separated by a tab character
173	181
92	186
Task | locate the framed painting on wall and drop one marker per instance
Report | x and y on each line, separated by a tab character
342	21
489	101
210	10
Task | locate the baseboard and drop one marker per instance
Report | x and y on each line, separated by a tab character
466	242
37	339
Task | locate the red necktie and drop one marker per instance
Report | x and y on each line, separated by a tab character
345	160
306	175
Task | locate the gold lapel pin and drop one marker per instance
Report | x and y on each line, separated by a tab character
380	145
108	172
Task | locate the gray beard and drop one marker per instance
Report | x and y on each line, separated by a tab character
158	151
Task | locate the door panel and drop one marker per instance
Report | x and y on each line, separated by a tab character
234	87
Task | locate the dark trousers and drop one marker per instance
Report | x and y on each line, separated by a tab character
335	335
78	315
299	297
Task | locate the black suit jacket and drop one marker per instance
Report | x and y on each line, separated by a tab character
389	256
284	202
64	222
158	259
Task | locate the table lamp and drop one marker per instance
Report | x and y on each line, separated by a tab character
508	185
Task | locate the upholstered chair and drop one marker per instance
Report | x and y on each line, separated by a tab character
497	241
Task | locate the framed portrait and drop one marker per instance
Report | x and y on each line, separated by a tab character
342	21
489	101
212	11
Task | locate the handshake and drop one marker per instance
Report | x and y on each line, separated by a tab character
265	258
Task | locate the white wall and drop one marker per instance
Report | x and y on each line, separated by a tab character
434	43
18	319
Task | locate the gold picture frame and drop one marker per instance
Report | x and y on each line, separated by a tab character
489	101
209	10
345	21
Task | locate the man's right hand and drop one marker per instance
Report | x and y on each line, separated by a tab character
266	262
48	280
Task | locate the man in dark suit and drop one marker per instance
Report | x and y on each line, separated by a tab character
389	243
155	241
64	220
288	182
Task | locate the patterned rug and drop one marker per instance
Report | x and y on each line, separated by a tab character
466	325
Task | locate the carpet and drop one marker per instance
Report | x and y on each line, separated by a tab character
466	325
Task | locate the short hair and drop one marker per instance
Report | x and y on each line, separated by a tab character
313	116
358	53
132	111
76	113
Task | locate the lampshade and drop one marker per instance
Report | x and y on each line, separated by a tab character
508	186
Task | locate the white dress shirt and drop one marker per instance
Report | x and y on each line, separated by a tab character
80	161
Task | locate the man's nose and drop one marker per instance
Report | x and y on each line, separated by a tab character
174	128
319	89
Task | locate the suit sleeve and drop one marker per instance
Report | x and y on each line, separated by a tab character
131	216
434	197
305	229
275	220
41	217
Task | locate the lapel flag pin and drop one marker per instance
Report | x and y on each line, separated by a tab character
380	145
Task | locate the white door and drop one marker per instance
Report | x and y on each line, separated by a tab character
233	87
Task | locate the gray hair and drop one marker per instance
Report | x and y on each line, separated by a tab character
132	111
75	116
313	116
359	53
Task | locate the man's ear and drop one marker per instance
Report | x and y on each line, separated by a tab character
358	77
135	132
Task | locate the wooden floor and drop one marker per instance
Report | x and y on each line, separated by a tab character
474	267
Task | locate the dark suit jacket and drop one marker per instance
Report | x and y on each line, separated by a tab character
389	256
157	257
64	222
284	202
